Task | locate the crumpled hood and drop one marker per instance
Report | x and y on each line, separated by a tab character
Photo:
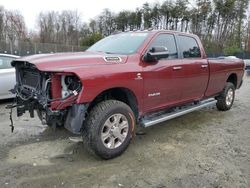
67	61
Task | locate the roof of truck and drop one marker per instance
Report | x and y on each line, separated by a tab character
155	31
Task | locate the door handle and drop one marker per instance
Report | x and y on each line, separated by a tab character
204	66
177	68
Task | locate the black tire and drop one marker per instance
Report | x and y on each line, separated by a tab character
95	127
223	103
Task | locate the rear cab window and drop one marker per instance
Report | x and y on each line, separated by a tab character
189	47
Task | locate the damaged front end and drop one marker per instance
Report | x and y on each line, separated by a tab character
52	94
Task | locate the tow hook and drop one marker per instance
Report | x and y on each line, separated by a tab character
43	118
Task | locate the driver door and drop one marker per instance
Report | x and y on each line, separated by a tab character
162	79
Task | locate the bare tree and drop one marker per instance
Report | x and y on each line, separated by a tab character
1	23
14	27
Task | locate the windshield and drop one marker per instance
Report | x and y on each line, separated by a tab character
124	43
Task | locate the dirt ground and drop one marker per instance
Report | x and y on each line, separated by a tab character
206	148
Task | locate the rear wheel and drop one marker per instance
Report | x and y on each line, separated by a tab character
226	98
109	128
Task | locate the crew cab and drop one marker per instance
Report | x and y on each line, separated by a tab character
127	79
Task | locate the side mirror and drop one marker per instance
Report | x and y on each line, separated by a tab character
156	53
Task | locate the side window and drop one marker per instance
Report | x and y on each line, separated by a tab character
189	47
5	62
168	41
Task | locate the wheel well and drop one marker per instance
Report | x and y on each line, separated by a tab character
233	79
121	94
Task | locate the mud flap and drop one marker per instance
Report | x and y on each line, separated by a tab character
241	82
75	118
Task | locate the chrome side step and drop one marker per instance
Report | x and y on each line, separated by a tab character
176	113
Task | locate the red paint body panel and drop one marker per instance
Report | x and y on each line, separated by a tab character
56	86
220	70
191	83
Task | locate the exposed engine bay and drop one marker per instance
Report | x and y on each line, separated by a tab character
51	94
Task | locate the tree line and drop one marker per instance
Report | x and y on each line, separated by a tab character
12	26
223	25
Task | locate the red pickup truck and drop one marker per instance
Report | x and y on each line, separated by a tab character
127	79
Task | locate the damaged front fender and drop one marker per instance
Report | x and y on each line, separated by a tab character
52	94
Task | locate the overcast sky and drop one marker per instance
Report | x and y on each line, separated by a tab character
87	8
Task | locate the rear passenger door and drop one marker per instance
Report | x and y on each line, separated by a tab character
195	68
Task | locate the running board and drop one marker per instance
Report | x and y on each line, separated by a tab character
176	113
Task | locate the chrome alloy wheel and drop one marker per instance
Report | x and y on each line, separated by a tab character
229	97
114	131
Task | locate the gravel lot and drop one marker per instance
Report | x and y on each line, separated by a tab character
206	148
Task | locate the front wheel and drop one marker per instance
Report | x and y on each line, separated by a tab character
226	98
109	128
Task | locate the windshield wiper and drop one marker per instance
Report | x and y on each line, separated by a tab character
109	53
105	52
